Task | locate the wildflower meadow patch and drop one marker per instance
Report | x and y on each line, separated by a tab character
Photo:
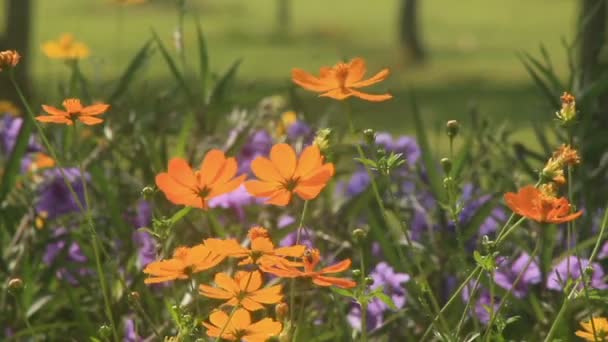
188	216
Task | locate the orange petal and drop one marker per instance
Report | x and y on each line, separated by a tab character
72	105
379	77
280	198
268	295
339	267
338	93
310	159
182	173
309	192
371	97
214	292
54	119
227	172
211	165
283	156
318	176
252	281
224	281
95	109
262	189
250	304
309	82
264	169
291	251
356	70
262	330
89	120
241	319
54	111
329	281
220	189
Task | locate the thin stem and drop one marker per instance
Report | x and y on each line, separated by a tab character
292	288
148	319
217	339
468	305
77	201
380	203
364	304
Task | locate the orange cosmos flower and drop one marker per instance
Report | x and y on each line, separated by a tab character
283	174
215	177
239	327
185	261
244	290
340	81
9	59
311	260
532	203
262	252
74	110
601	330
65	48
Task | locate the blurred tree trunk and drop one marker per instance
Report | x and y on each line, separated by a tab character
16	36
283	17
409	31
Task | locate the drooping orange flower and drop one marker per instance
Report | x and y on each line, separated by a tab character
283	174
601	330
239	327
9	59
216	176
185	261
311	259
74	110
244	290
262	251
41	161
66	47
341	81
533	204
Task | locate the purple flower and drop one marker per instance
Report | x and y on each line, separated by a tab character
9	131
236	200
603	254
71	269
506	274
483	302
299	129
259	143
307	238
146	245
130	332
384	276
405	145
55	198
560	273
472	205
358	182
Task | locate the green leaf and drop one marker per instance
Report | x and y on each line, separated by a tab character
342	292
180	214
184	133
136	64
203	56
461	157
37	305
13	165
551	95
181	81
222	86
386	299
485	261
427	157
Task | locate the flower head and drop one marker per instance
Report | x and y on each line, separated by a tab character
533	204
507	273
74	110
9	59
240	328
262	251
310	260
570	268
341	81
65	48
567	113
55	198
185	261
598	331
216	176
245	289
283	174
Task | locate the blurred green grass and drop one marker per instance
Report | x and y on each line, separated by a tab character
472	47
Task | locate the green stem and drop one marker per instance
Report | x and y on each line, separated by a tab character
217	339
364	304
378	199
77	201
292	282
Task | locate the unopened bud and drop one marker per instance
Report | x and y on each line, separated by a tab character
105	332
133	297
15	285
452	128
321	139
369	135
356	273
359	235
588	272
281	311
446	164
147	192
369	281
9	59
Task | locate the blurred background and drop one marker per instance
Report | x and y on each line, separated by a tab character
455	55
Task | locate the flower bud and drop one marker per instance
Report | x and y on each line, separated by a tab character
147	192
133	297
15	285
321	139
105	332
446	164
567	113
359	235
281	311
9	59
369	281
369	135
452	128
356	273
